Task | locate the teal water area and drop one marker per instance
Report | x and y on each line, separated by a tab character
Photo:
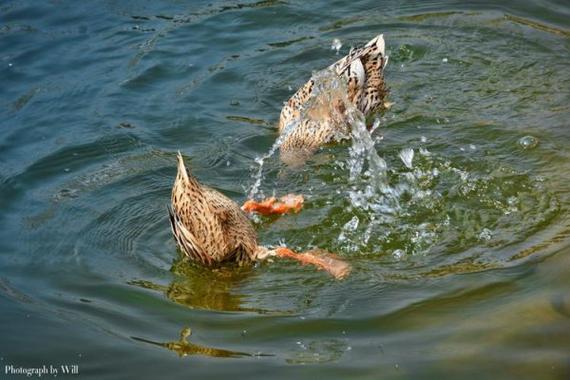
465	275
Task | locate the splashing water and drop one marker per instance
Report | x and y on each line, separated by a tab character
407	156
255	191
327	88
336	45
367	170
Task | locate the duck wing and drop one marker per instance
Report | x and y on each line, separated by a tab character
186	240
238	231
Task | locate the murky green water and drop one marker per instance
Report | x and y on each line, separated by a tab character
461	266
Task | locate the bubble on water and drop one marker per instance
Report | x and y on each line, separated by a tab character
472	147
407	156
528	142
336	45
423	139
444	60
486	234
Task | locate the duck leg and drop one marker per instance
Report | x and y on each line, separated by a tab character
273	206
319	258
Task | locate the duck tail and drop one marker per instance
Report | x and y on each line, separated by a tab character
182	171
184	175
378	43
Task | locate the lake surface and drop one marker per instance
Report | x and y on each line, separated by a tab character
461	260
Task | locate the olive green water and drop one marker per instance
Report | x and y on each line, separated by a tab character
461	264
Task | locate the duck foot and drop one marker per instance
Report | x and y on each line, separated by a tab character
272	206
320	258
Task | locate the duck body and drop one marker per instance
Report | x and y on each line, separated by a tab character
208	226
211	229
316	114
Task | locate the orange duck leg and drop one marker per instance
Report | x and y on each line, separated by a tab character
271	206
319	258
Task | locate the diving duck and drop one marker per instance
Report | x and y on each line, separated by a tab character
316	116
211	229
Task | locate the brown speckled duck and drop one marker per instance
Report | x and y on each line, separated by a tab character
321	122
211	229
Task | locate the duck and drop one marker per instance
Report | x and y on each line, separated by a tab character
315	116
212	230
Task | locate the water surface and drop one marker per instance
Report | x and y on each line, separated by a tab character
461	257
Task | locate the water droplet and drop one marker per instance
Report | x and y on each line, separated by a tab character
486	234
398	254
528	142
407	156
336	45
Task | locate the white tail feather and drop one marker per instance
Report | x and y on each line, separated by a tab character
357	70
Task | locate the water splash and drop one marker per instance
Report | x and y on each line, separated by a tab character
367	170
336	45
328	87
407	156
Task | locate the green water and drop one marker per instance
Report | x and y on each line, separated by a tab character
461	269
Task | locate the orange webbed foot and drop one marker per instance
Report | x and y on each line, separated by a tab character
271	206
320	258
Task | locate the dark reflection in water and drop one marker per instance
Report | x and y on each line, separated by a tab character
203	288
184	348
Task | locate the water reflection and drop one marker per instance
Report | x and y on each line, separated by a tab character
184	348
197	287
